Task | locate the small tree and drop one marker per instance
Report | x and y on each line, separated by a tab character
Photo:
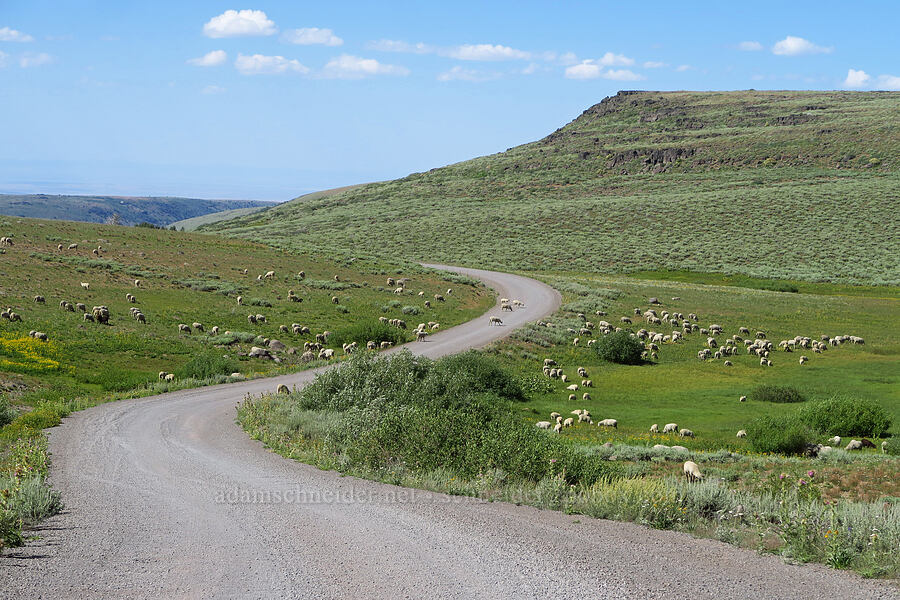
620	347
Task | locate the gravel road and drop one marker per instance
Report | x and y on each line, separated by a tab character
167	498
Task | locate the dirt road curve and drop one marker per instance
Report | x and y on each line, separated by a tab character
167	498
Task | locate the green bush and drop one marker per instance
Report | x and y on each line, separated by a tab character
258	302
40	418
366	331
233	338
892	446
410	310
783	434
776	393
204	366
847	416
7	412
620	347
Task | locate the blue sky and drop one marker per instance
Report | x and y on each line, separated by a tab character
268	100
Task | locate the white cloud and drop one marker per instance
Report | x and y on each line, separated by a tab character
210	59
531	69
400	46
4	58
354	67
31	59
750	46
615	60
856	78
568	58
653	64
888	82
11	35
459	73
259	64
233	23
312	35
590	69
212	89
795	46
683	68
622	75
486	52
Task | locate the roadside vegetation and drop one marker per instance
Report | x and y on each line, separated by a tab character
183	279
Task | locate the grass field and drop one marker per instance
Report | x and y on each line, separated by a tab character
790	185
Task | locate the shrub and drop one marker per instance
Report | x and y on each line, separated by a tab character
7	412
204	366
233	338
784	434
775	393
620	347
410	310
846	416
365	331
259	302
342	309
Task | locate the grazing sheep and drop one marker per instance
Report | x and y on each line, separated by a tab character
585	396
686	433
835	440
269	274
803	359
439	298
428	304
336	278
625	320
371	345
742	433
557	428
569	422
573	387
140	318
197	326
101	314
182	328
59	246
85	285
728	363
854	445
421	335
260	318
654	428
326	353
251	319
563	377
608	423
692	471
282	389
39	299
495	321
742	399
283	329
170	377
554	415
240	300
73	246
300	275
335	300
88	317
571	397
670	428
137	283
543	424
884	445
506	307
162	375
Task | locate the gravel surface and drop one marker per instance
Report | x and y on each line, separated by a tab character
168	498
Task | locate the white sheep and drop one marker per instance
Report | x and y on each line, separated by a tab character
686	433
854	445
269	274
282	389
742	433
742	399
608	423
692	471
554	415
654	428
835	440
573	387
557	428
568	422
670	428
170	377
85	285
495	321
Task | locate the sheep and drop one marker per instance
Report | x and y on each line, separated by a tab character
854	445
563	377
654	428
182	328
326	353
130	298
197	326
162	375
571	397
440	298
495	321
679	448
659	446
59	246
884	446
576	412
421	335
335	300
625	320
88	317
269	275
585	396
686	433
554	415
283	329
240	300
507	307
835	440
543	424
170	377
95	252
140	318
251	319
803	359
73	247
742	399
39	299
728	363
585	417
670	428
260	318
557	428
573	387
428	304
692	471
434	326
282	389
587	383
371	345
101	314
85	285
336	278
39	335
608	423
399	290
300	275
390	282
569	422
742	433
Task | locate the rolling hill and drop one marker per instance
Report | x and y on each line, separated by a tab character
795	185
131	210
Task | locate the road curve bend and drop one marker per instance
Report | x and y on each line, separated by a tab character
168	498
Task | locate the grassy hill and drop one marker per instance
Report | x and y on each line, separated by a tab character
796	185
161	211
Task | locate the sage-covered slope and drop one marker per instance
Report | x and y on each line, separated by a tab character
802	185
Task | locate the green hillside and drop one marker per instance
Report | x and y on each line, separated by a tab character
796	185
123	210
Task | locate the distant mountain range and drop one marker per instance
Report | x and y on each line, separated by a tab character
124	210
